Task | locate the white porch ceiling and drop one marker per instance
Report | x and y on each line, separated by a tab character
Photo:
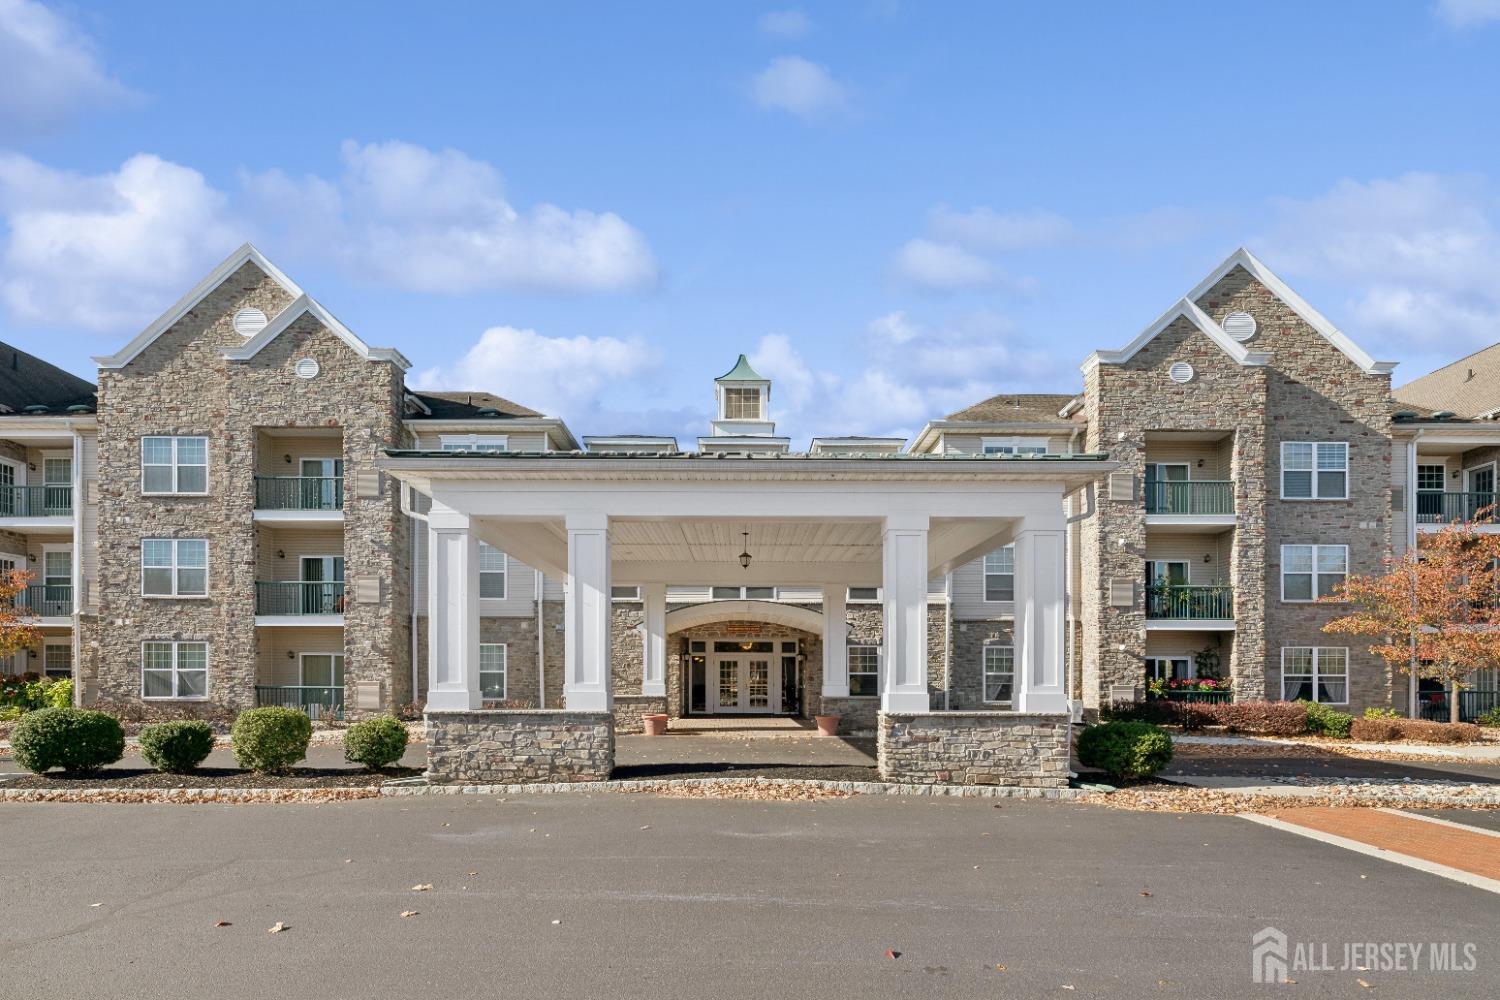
711	542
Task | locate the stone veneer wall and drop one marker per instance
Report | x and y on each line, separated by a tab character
975	748
519	746
182	384
966	685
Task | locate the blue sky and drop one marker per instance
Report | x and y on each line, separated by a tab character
895	208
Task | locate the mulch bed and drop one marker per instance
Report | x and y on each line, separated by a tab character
213	777
831	772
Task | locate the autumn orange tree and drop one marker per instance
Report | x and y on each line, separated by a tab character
1436	609
18	629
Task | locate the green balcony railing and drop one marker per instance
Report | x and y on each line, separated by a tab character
291	598
317	702
36	501
1189	602
299	492
1438	507
46	600
1471	705
1198	496
1192	697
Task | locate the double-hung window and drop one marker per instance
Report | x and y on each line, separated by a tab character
492	671
174	567
1014	446
1314	470
1000	575
174	465
172	669
999	673
1315	673
1309	572
491	573
864	671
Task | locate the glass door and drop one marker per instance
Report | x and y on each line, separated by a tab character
1481	491
728	689
57	485
1162	497
322	585
322	483
8	492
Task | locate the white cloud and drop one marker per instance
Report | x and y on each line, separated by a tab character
1418	257
568	377
803	88
107	251
785	24
438	221
1468	13
943	267
984	229
49	70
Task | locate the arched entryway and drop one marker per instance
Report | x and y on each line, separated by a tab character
744	658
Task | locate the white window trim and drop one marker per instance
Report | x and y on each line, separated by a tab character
1192	666
1314	471
504	673
1469	472
59	642
174	643
849	597
1317	652
1315	547
504	575
1013	444
760	402
176	466
174	595
985	574
18	471
879	664
984	672
775	592
302	664
623	597
472	442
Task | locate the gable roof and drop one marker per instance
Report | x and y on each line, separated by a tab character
27	380
301	303
1187	307
466	405
1022	408
1469	387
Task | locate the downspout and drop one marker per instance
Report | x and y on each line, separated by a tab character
948	641
1411	545
78	540
541	638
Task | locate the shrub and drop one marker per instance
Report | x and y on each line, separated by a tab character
1381	713
1490	718
375	742
270	739
1388	730
73	739
29	692
1267	718
57	694
1325	721
1125	749
176	747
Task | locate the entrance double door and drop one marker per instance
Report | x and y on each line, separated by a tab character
742	678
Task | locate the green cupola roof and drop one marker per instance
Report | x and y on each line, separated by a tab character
741	372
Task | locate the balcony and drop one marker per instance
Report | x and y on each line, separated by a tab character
317	702
36	502
1182	605
299	498
1190	505
46	600
1436	508
291	603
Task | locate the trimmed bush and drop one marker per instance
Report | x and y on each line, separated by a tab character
176	747
1266	718
30	692
1325	721
270	739
1381	713
1490	718
375	742
73	739
1125	749
1391	730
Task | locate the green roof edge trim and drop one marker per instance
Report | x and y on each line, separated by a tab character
742	372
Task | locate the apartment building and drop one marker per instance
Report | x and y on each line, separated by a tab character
223	527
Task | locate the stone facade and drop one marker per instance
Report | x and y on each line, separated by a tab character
966	677
975	748
519	746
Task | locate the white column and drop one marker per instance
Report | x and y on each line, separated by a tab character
452	612
835	642
1041	614
586	614
654	640
904	579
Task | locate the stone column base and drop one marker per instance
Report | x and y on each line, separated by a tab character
630	710
519	746
975	748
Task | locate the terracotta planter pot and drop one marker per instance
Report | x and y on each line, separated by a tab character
828	725
656	724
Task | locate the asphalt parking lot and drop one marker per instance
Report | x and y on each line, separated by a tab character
608	895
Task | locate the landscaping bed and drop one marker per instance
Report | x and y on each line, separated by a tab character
212	777
816	772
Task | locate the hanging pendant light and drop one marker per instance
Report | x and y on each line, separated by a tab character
745	555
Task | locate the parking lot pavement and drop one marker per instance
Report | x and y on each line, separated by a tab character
601	895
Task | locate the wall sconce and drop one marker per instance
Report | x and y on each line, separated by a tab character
1200	463
281	553
1207	557
287	459
291	654
31	466
31	557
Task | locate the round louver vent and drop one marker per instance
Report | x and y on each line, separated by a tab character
249	322
1240	325
306	368
1180	372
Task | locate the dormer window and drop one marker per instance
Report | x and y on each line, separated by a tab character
741	403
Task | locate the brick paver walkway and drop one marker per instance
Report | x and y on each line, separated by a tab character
1476	853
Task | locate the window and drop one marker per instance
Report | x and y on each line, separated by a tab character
174	567
1309	572
491	573
864	671
1431	477
864	593
1000	575
492	671
1315	673
474	442
1314	470
57	659
174	669
1015	446
625	593
744	593
1169	668
322	670
999	673
741	403
174	465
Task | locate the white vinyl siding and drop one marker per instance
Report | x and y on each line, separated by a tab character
174	669
174	465
1309	572
1314	470
520	586
1315	673
174	567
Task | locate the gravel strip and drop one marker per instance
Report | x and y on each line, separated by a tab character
210	777
1179	799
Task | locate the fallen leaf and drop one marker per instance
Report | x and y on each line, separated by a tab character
277	928
999	968
1364	984
424	887
646	827
556	922
1364	876
222	923
1067	987
473	873
409	913
891	953
347	860
94	906
1145	893
1292	981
